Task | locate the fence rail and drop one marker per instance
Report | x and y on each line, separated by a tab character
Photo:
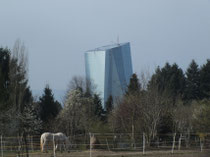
110	143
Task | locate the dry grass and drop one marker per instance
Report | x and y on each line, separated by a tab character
127	154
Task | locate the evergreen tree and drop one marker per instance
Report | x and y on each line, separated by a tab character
30	122
205	80
134	86
16	91
49	107
98	109
192	90
4	88
20	93
4	77
177	81
109	104
169	79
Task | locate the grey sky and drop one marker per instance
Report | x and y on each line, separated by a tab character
57	32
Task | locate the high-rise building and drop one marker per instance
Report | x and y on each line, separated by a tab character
109	68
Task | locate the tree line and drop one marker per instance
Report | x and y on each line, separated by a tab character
168	101
20	113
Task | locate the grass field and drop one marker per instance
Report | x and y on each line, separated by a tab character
99	153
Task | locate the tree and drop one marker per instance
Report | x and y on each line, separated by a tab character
138	113
13	75
134	86
97	107
201	116
182	119
77	82
170	80
126	117
205	80
18	75
192	90
19	116
74	117
4	77
49	107
30	122
154	106
109	104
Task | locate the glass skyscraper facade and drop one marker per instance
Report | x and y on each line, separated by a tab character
109	68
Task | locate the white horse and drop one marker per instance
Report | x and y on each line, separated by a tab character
61	141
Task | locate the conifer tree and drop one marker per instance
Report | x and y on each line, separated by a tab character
4	77
49	107
134	86
169	79
192	90
205	80
16	91
109	104
98	110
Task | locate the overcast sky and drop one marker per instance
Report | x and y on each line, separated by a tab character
58	32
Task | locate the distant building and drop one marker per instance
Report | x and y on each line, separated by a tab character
109	68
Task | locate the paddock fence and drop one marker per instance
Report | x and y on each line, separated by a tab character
110	144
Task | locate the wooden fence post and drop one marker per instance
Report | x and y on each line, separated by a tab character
54	155
32	144
2	153
144	143
90	146
201	144
107	144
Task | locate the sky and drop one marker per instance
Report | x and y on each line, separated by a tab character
58	32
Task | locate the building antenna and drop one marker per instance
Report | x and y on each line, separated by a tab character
118	40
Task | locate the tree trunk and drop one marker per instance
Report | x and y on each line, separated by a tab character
132	137
173	145
180	141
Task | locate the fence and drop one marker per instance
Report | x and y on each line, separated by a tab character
107	144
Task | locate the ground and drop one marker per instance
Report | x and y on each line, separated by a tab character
98	153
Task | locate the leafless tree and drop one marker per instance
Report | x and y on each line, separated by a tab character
154	106
18	74
145	76
183	120
139	113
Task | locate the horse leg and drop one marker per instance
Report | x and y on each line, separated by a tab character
61	148
64	146
43	146
46	146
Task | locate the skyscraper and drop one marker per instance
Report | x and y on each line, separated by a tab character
109	68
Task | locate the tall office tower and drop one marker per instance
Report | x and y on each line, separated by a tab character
109	68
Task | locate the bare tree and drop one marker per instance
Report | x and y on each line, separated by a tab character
139	113
77	82
145	76
18	74
153	107
183	120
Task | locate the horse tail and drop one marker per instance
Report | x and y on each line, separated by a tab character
41	143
